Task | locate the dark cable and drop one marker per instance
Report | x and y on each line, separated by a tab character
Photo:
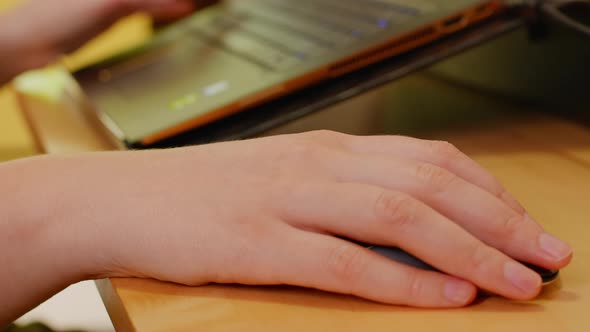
554	9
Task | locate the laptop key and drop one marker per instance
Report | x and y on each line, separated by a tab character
384	19
226	33
265	55
348	29
416	8
282	39
356	22
304	26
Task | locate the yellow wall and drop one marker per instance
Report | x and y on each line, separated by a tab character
4	4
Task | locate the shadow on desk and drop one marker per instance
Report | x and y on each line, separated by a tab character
296	296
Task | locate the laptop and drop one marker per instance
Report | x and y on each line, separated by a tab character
239	54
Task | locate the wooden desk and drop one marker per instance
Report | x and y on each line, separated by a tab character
544	161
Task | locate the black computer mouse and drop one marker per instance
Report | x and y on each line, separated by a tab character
401	256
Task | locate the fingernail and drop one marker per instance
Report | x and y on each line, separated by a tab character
459	292
554	247
521	277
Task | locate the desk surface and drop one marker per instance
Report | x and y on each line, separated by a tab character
544	161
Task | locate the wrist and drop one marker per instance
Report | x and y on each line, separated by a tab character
41	216
43	244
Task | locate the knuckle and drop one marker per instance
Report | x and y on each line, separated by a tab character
444	150
411	287
509	225
303	151
346	263
507	198
309	152
328	137
502	193
498	191
479	260
324	135
397	209
437	178
416	286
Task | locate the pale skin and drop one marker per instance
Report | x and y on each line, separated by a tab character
257	212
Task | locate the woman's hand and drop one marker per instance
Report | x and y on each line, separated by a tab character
271	211
40	31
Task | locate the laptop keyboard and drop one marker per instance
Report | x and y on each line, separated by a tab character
280	34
